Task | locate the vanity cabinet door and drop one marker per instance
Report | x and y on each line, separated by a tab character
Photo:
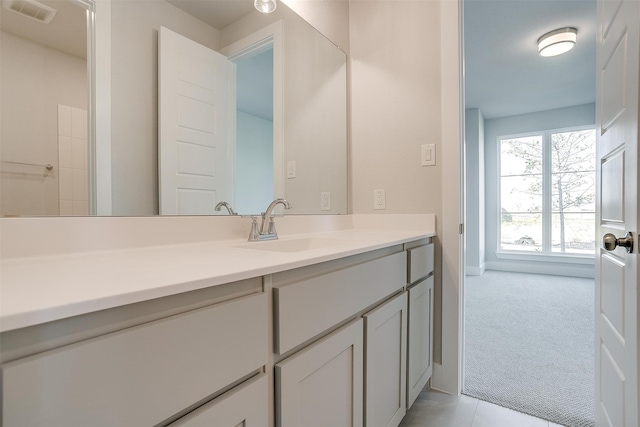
385	363
245	405
420	341
322	384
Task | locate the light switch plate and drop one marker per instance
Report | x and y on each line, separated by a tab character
428	155
379	201
291	169
325	201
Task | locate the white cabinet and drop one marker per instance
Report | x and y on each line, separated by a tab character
246	405
313	301
385	363
141	375
420	328
322	384
350	345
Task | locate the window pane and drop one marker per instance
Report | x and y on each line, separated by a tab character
573	191
574	233
573	151
521	155
521	194
521	232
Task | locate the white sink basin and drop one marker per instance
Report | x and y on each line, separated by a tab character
292	245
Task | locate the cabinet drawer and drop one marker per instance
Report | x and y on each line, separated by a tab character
245	405
306	308
140	375
420	262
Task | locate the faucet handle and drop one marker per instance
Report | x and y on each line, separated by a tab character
254	234
272	226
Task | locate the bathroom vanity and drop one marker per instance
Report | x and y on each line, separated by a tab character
328	328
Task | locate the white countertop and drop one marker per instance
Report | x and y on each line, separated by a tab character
41	289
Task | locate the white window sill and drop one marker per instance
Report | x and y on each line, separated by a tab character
539	257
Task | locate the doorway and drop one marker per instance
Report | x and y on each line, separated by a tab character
521	229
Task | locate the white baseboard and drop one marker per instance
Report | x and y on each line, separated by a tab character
575	270
475	271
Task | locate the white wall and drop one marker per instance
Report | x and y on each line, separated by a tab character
35	79
331	18
395	108
134	122
581	115
314	135
475	206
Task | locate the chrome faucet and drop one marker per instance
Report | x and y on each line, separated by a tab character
227	206
267	229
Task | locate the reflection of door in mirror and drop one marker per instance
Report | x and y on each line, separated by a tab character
195	116
216	126
43	142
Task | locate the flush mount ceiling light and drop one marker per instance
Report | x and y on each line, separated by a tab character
556	42
265	6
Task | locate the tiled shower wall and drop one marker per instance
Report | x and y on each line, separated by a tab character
73	163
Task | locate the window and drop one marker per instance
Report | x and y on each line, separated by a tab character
547	192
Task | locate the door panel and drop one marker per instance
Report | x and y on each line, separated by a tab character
613	86
613	182
612	293
617	178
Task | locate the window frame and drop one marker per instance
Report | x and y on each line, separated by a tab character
547	253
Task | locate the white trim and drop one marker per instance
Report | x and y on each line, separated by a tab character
448	374
475	271
550	257
575	270
101	112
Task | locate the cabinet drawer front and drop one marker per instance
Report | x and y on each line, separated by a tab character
141	375
307	308
245	405
420	262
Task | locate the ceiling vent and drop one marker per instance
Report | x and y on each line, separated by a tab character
31	9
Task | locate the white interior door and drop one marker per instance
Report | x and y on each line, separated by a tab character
616	269
194	168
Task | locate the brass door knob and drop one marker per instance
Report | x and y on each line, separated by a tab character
610	242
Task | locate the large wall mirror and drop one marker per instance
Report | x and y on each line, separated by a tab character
186	132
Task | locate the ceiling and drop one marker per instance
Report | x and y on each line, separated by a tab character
216	13
66	32
505	76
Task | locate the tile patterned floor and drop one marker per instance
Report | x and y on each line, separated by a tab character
434	409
